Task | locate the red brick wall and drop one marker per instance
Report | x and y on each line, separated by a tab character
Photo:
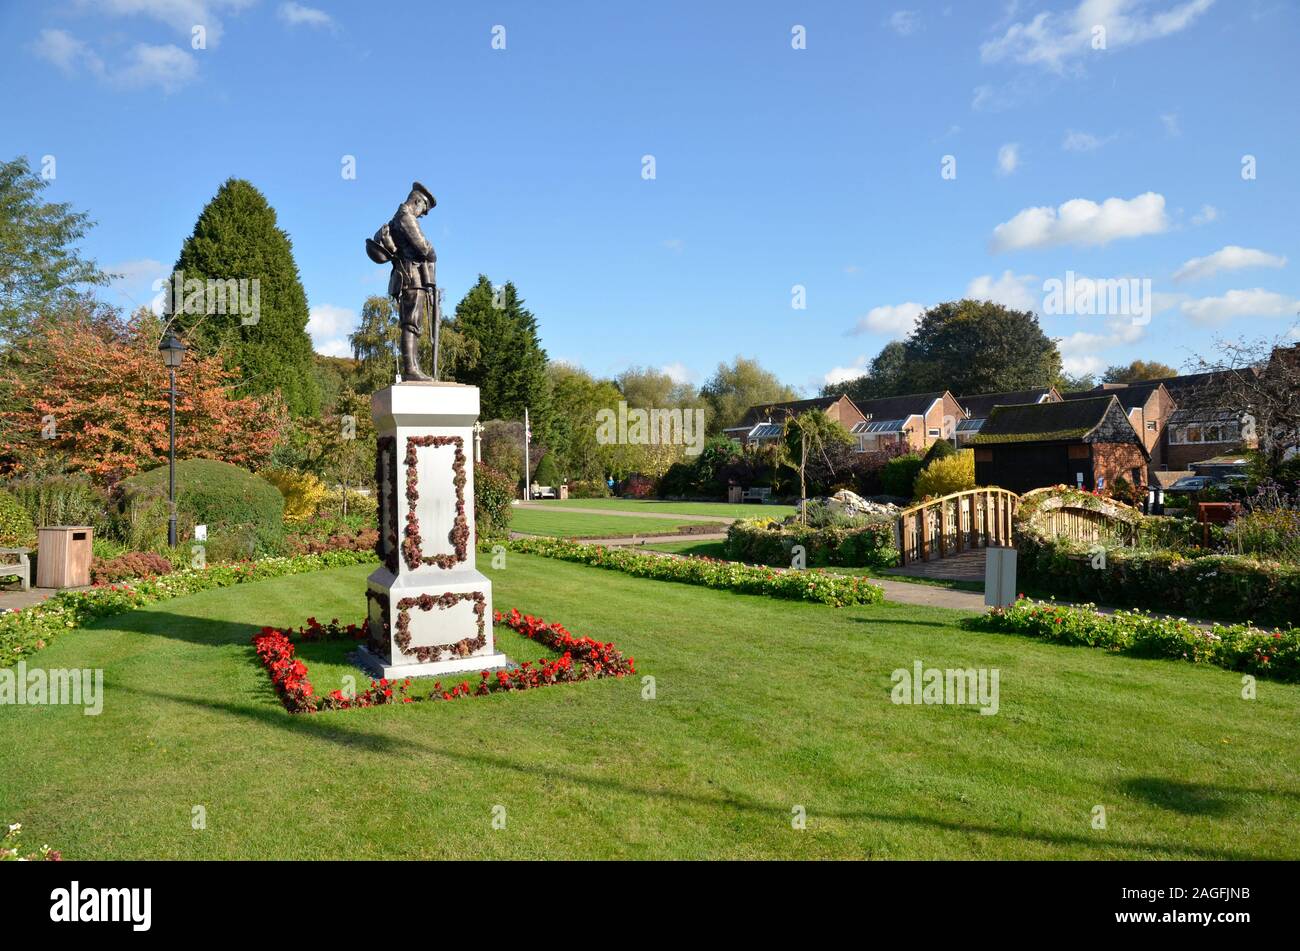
1115	460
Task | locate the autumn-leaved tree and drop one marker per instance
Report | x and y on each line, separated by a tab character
88	387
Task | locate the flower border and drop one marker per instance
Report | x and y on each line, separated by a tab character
412	546
427	602
582	658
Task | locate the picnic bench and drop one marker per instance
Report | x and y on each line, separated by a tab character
14	564
756	495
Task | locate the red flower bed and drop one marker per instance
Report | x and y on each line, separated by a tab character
582	658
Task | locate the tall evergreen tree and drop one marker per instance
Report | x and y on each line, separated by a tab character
237	238
511	368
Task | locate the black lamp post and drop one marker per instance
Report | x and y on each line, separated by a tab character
173	352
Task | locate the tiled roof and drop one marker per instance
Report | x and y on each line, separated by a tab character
980	405
779	412
899	407
1044	422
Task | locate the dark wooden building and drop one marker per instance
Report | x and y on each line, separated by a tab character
1080	442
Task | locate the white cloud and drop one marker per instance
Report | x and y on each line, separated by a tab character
1170	121
1256	302
1059	41
844	374
167	67
905	22
1229	258
67	52
295	14
1082	222
677	372
1009	290
675	245
1081	351
1082	141
1207	214
329	327
180	15
894	320
1008	158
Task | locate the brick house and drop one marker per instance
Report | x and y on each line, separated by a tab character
915	420
1149	406
763	423
978	407
1086	442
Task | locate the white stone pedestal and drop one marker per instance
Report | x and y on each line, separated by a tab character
429	610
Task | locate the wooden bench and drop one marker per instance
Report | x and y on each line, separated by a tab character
755	495
19	569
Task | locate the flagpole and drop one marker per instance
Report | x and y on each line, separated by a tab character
527	436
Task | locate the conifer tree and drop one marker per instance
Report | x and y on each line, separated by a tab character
237	238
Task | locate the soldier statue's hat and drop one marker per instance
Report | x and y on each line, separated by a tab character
428	195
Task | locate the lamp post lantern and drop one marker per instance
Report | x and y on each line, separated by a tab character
173	352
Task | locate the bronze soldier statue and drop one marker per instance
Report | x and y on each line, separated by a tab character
413	283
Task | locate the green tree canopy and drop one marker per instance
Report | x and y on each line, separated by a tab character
510	371
646	387
884	376
375	341
236	238
1138	371
39	262
970	346
737	386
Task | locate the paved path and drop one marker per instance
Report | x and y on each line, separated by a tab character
12	599
968	566
725	519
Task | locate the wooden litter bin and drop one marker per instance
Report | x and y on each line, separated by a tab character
63	560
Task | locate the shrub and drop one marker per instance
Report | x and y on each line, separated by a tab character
870	545
819	586
16	529
231	501
62	499
361	505
898	477
493	494
637	486
951	473
1237	647
133	564
939	449
546	472
588	489
1271	534
362	539
303	492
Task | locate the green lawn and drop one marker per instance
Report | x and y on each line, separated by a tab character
673	508
762	705
581	525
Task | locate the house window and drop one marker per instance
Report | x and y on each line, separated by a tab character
1151	426
1195	433
932	433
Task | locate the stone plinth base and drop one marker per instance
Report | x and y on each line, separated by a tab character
380	667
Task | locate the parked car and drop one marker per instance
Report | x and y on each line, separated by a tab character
1191	484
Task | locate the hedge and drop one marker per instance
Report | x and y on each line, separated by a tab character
231	501
16	529
819	586
1274	654
761	542
1232	587
494	495
31	629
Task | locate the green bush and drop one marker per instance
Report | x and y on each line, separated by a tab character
16	529
954	472
588	489
1232	587
819	586
493	494
1241	647
939	449
240	509
546	473
62	499
898	477
759	541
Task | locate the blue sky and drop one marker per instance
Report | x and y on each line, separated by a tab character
775	166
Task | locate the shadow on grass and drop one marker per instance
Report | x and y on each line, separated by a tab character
1191	799
338	729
